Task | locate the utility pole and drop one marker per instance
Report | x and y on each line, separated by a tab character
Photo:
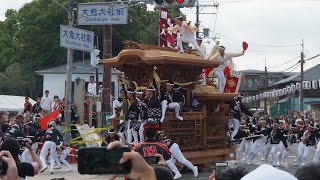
301	79
197	19
97	72
67	109
265	85
216	5
107	53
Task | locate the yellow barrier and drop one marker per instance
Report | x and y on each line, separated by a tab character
75	141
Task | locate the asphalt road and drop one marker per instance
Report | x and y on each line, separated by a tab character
187	174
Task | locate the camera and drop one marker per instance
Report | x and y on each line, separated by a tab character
22	141
3	167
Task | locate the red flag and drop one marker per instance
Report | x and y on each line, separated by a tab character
244	46
44	121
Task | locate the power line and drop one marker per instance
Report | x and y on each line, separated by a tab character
257	44
272	67
292	66
312	57
298	65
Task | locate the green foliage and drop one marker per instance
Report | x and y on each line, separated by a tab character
29	41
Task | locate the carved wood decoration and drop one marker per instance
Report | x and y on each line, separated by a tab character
135	70
131	45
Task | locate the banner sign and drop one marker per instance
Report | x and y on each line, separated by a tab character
102	14
233	83
75	38
167	39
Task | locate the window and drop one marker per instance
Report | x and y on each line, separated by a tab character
250	83
272	80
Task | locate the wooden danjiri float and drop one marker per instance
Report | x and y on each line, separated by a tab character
202	134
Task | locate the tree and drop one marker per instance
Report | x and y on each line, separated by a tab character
29	41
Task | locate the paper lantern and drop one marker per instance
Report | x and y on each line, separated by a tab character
250	98
298	86
247	100
314	84
269	94
306	85
264	95
253	98
279	92
293	88
257	97
284	91
260	96
289	89
243	100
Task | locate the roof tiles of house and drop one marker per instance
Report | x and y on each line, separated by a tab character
309	75
79	67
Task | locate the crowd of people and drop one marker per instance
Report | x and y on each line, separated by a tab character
262	135
29	143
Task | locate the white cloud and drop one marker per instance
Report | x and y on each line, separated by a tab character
10	4
268	22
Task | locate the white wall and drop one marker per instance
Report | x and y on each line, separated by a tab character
55	83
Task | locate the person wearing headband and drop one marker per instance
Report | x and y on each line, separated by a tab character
275	136
142	114
187	35
290	136
308	140
243	144
150	147
52	137
177	154
153	105
236	108
170	100
259	143
224	58
132	117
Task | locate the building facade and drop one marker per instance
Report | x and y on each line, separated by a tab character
54	79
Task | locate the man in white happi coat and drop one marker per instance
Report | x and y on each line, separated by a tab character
187	35
223	57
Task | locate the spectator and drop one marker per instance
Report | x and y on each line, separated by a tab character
55	104
36	109
27	106
45	103
12	171
162	172
4	123
309	171
92	86
24	169
13	131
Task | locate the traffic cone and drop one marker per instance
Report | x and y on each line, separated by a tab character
73	155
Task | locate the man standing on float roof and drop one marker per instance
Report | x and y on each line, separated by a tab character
186	31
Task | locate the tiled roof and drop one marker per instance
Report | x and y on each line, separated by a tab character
309	75
79	67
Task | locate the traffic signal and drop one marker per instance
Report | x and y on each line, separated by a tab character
175	3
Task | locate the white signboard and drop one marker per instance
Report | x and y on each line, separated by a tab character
102	14
75	38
